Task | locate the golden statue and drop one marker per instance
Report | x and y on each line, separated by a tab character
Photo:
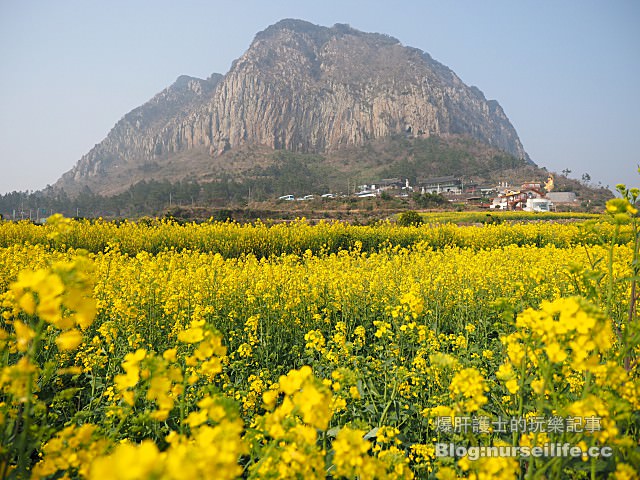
549	185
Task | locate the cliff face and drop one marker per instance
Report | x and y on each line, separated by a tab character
303	88
306	88
142	134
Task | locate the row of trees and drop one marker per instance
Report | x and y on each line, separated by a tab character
144	198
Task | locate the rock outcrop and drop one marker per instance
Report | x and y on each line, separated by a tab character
303	88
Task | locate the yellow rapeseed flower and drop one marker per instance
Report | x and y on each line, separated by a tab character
69	340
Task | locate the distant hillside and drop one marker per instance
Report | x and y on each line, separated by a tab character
360	102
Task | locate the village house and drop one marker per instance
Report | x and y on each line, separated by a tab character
447	184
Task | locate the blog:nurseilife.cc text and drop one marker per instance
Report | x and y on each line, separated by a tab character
546	450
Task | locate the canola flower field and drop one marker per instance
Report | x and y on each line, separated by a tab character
153	350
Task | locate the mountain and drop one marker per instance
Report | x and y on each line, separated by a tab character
301	88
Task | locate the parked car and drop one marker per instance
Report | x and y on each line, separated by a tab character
287	197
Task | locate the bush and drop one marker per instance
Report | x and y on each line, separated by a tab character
410	217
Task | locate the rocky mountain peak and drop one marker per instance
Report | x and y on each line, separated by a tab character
303	88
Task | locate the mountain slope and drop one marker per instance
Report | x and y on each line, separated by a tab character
137	139
299	87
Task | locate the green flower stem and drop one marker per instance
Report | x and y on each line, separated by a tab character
23	442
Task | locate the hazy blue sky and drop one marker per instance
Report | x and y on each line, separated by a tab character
567	73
